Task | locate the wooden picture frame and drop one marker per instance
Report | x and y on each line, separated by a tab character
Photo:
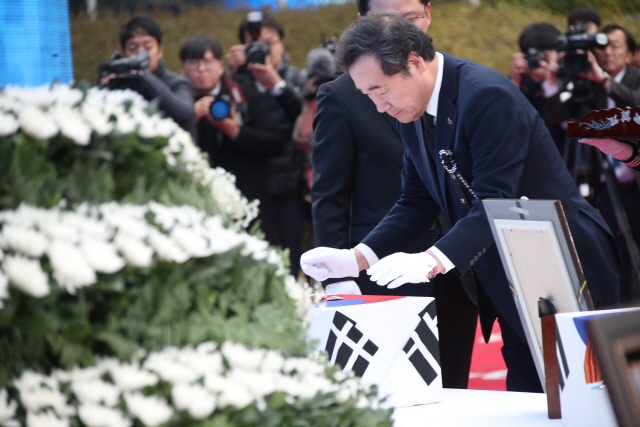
540	261
616	343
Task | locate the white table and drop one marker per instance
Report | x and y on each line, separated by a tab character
478	408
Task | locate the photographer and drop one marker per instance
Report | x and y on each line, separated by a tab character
262	59
172	90
533	70
321	69
238	126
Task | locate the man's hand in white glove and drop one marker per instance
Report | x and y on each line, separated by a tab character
348	287
329	263
400	268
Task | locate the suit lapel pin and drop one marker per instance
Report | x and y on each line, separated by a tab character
449	121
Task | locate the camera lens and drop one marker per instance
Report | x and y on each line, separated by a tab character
220	109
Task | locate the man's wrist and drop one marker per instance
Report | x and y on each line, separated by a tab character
278	88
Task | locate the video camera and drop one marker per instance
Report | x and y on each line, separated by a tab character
321	65
122	68
256	51
577	38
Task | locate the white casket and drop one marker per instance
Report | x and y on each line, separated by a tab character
389	341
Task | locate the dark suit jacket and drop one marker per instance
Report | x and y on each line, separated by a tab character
625	94
357	164
264	133
503	148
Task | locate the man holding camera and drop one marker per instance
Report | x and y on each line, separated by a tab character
262	58
357	166
238	126
173	91
534	69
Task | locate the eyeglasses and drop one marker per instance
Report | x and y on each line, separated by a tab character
419	17
195	62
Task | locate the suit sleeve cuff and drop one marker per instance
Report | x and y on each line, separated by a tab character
446	263
369	255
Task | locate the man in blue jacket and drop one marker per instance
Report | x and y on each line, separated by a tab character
484	124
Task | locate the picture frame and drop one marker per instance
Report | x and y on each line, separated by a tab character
616	343
540	261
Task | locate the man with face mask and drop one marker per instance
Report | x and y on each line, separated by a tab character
357	163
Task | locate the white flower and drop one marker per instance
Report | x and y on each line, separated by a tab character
38	398
96	391
239	356
7	410
37	124
134	250
98	121
147	129
52	226
71	124
235	394
151	410
70	268
259	384
125	124
8	124
166	248
194	398
190	154
30	380
4	287
93	415
272	362
22	240
27	275
170	370
129	377
102	256
46	419
190	241
65	95
202	363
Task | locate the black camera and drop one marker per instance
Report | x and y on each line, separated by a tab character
533	57
122	68
577	38
221	107
256	51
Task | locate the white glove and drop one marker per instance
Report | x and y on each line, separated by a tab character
329	263
348	287
401	268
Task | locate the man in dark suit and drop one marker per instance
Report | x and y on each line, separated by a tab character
502	148
357	164
255	129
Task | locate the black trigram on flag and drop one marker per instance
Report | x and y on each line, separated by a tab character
347	345
563	365
423	340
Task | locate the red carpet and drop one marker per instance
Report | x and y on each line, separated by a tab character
488	371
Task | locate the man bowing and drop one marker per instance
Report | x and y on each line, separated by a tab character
455	113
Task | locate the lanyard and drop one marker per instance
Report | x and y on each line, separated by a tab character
463	190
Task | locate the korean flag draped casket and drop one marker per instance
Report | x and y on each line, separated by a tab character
389	341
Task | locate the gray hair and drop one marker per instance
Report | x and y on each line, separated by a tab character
389	38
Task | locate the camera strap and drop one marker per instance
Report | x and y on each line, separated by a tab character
463	190
235	91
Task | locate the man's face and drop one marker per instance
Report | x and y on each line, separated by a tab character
615	57
271	38
413	10
204	73
144	42
404	97
592	27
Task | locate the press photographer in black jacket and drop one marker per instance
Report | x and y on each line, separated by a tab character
173	91
241	137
